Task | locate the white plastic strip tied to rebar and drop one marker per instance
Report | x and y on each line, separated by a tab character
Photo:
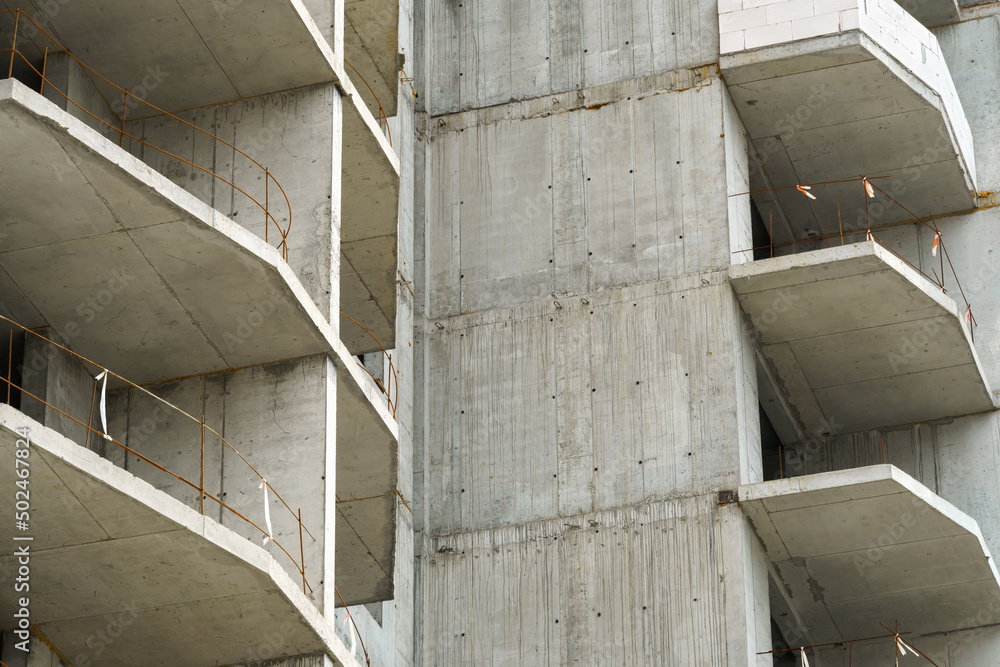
802	655
350	632
103	379
267	512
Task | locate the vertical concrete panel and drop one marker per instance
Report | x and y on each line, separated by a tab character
482	54
608	588
276	418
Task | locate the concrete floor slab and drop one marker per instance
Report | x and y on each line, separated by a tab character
857	547
202	53
836	107
864	339
368	231
97	242
371	45
166	585
367	471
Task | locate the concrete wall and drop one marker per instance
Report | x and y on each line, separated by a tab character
67	79
59	379
585	380
276	416
295	136
481	54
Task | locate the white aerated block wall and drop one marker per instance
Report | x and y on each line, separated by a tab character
751	24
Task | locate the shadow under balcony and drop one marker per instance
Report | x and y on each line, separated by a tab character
840	93
859	339
854	548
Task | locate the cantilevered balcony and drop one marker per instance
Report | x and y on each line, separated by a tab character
831	90
859	339
853	548
136	273
122	574
174	57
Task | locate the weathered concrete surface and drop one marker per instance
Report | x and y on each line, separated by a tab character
96	529
933	13
189	53
858	339
371	46
368	232
809	104
184	289
656	584
577	411
860	546
482	54
610	186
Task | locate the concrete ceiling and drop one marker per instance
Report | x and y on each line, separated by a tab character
371	45
203	52
932	13
367	472
108	546
854	548
368	233
95	241
857	339
837	108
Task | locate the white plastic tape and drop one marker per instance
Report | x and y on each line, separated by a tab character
267	512
104	410
805	660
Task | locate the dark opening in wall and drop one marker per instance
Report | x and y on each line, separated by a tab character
12	359
761	235
770	447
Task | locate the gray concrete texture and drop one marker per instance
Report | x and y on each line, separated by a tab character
197	601
858	339
870	543
209	52
565	157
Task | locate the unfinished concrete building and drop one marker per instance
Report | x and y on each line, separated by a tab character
641	441
198	237
677	336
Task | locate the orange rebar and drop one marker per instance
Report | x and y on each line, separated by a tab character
381	113
392	368
351	616
140	456
14	50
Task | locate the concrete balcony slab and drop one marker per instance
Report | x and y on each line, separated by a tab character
130	268
840	94
859	339
113	556
371	45
189	53
853	548
137	273
367	473
368	231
